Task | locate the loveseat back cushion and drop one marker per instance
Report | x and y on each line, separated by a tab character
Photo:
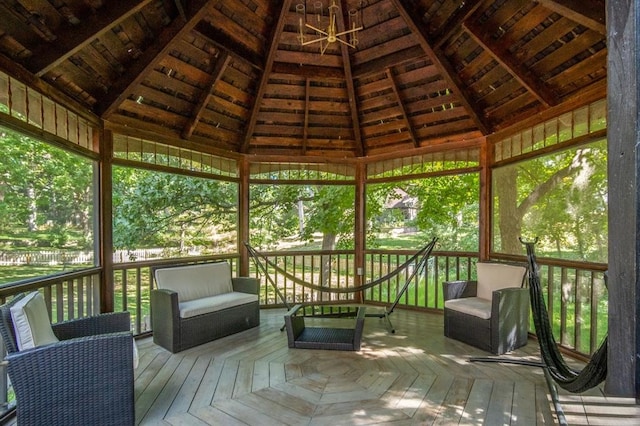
217	303
495	276
197	281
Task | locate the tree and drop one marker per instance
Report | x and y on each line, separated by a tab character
561	198
44	189
170	210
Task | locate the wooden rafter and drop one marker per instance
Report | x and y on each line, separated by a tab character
441	62
310	71
305	128
351	91
449	28
264	79
499	51
395	59
405	117
224	43
30	19
47	56
125	85
221	64
589	13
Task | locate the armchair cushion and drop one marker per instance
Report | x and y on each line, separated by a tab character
475	306
31	322
496	276
491	313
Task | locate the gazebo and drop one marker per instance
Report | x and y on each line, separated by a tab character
349	87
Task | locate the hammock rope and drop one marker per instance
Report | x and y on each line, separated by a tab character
569	379
424	253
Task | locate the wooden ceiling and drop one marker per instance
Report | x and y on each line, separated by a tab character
232	75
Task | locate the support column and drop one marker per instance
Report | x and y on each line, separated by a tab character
360	225
623	134
243	216
104	197
486	200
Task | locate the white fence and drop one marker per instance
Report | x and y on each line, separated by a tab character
73	257
45	258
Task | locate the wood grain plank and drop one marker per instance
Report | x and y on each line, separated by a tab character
415	376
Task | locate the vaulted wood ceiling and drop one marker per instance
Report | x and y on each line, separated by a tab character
232	75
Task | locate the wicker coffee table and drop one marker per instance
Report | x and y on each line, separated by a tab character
340	339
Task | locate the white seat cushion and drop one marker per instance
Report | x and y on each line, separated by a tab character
207	305
475	306
31	322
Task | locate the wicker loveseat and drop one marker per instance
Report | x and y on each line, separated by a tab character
198	303
491	313
85	378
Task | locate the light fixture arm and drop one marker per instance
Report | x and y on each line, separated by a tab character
331	34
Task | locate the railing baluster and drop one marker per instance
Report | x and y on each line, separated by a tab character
577	318
70	299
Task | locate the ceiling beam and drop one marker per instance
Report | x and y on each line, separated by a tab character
17	71
405	117
442	63
47	56
225	43
500	52
307	71
305	128
351	91
452	24
145	63
216	74
32	20
394	59
264	79
589	13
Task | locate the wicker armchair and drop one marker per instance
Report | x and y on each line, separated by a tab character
85	379
491	313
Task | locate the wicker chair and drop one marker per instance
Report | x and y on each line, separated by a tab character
84	379
491	313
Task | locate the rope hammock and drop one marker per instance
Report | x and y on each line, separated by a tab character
422	255
573	381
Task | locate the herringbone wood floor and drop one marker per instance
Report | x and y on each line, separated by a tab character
415	376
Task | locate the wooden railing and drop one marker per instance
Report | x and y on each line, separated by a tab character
575	292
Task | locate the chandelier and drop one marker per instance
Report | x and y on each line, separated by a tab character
325	26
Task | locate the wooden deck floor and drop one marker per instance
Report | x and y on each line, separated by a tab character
415	376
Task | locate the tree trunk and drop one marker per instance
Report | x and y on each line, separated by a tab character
510	221
32	219
328	243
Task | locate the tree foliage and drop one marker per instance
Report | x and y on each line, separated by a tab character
560	198
46	194
153	209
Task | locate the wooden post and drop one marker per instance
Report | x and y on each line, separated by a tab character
360	226
623	376
485	217
105	203
243	216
